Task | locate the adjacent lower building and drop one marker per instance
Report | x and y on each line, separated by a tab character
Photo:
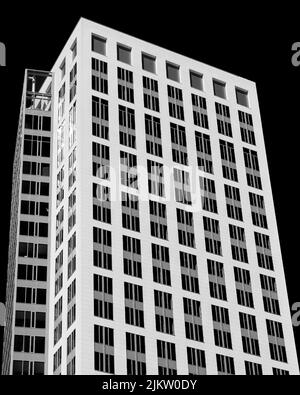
157	251
25	335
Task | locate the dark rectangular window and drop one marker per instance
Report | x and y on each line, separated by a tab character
204	156
219	89
196	80
124	54
161	264
200	111
173	72
99	44
221	325
242	97
148	63
193	319
243	287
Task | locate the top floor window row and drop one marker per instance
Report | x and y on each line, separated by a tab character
124	55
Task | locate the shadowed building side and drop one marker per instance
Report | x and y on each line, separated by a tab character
25	335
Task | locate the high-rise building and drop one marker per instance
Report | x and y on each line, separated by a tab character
159	245
25	333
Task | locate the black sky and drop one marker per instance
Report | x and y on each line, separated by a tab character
250	44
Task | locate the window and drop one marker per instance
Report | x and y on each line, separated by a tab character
216	275
155	178
128	167
153	136
36	146
200	111
102	236
164	312
242	97
212	236
185	224
179	146
221	325
135	354
193	319
252	168
246	126
99	44
99	108
74	50
263	251
37	122
57	359
127	127
196	80
31	295
166	355
101	163
151	98
161	264
71	291
238	243
30	250
35	344
269	293
102	248
148	63
219	89
60	143
258	211
73	82
130	212
103	297
208	195
276	341
58	283
182	186
204	157
233	202
125	85
158	220
104	349
243	287
173	72
189	273
134	308
28	368
32	273
58	308
71	367
72	126
28	319
225	365
101	203
71	243
63	69
175	98
196	361
71	342
132	259
37	169
34	208
228	161
280	372
124	54
99	76
249	334
33	229
223	119
253	369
